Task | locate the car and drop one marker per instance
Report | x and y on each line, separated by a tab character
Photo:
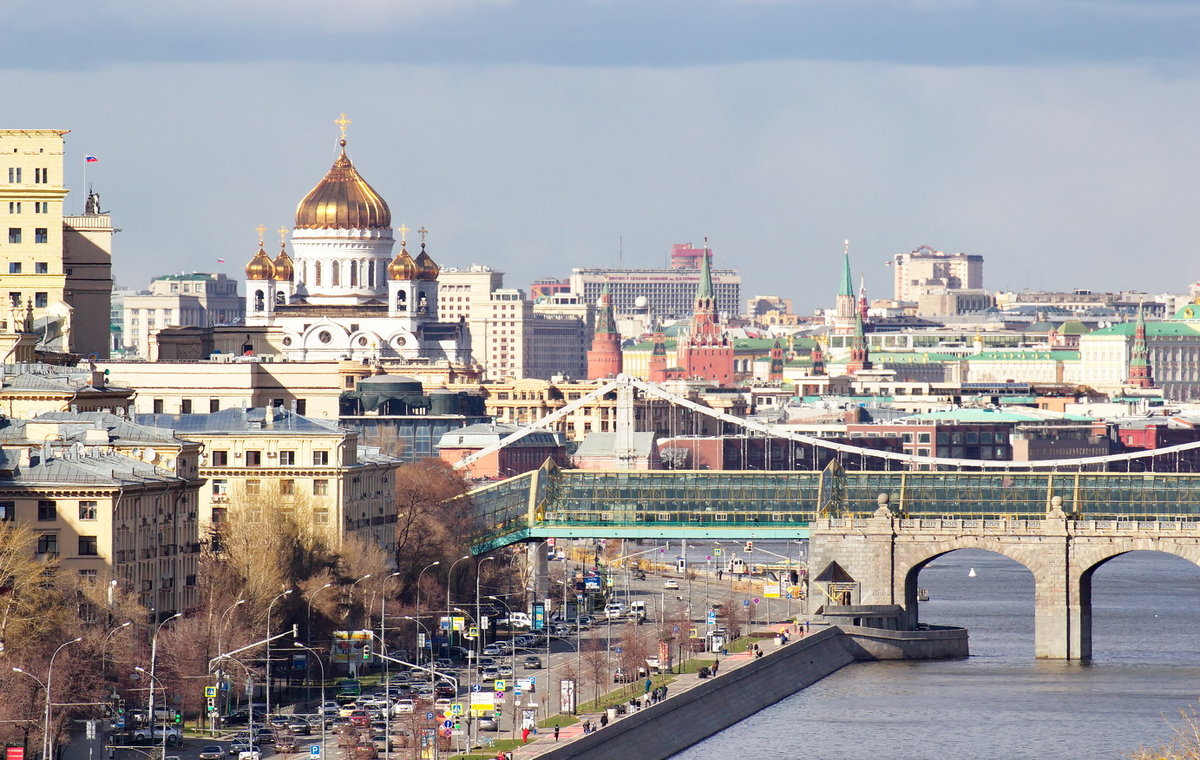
443	663
487	662
299	727
345	710
236	749
442	705
360	718
252	754
613	610
560	630
621	675
444	689
585	621
489	723
516	620
505	671
278	721
212	752
173	737
670	584
488	674
532	662
493	649
403	706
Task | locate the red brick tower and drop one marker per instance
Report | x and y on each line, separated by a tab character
604	359
707	354
658	355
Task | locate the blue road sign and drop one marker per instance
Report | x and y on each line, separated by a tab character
447	724
476	687
314	750
745	602
428	716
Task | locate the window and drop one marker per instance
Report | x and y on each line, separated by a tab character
87	612
87	577
14	207
87	510
220	487
14	234
41	267
40	300
185	406
320	488
88	546
253	486
14	174
254	459
287	458
14	300
320	458
41	235
220	458
41	176
301	406
214	405
47	510
14	267
41	207
8	511
287	487
47	543
158	406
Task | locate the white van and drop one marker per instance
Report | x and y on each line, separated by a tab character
637	610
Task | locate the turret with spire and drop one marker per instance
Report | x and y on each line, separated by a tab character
775	373
604	359
847	305
1140	372
657	366
817	355
707	354
860	354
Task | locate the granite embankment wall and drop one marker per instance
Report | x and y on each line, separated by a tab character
684	719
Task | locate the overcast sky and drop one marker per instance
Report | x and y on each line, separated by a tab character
1057	138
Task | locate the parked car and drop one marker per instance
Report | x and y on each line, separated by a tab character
489	723
516	620
172	736
212	752
403	706
561	630
532	662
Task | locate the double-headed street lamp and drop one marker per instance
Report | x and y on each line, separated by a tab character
269	605
449	579
311	598
221	623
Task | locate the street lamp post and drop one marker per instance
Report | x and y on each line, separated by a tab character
513	650
153	659
269	606
350	608
417	612
45	715
104	648
221	624
449	579
387	670
155	680
322	711
311	598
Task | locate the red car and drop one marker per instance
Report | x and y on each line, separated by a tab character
360	718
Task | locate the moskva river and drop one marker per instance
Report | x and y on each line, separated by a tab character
1002	703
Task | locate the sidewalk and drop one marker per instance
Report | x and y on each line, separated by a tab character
544	741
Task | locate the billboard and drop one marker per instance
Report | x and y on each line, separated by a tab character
348	646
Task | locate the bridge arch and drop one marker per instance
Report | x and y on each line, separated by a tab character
1091	557
911	558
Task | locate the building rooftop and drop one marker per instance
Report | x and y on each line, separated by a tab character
268	420
484	434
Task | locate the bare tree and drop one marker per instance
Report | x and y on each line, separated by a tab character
596	666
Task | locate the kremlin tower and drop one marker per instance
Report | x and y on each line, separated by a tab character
604	359
707	354
657	367
847	305
860	355
1140	374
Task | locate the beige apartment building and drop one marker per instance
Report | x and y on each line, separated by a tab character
58	265
925	270
198	299
110	500
294	462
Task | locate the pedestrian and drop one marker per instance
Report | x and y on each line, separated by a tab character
664	691
719	573
648	684
555	732
525	735
714	666
603	720
807	626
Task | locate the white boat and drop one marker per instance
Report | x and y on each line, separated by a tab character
971	574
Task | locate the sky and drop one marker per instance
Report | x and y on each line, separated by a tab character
1054	137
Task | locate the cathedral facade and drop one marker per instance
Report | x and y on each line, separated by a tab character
342	294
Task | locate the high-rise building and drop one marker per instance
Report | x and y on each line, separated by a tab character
196	299
59	265
925	270
669	293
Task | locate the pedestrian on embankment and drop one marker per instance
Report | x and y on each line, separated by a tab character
603	720
556	732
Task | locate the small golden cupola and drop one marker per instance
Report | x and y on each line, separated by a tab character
260	266
343	200
402	267
427	269
284	268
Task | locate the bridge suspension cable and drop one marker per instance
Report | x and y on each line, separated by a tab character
842	448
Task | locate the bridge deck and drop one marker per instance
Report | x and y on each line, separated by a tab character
757	505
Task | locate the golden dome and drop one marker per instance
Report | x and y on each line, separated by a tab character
284	269
426	268
343	200
402	267
260	266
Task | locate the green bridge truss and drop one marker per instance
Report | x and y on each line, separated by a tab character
556	503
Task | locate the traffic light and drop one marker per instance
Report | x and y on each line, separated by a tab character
366	652
178	717
749	546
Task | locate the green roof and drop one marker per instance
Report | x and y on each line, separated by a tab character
1026	354
1073	327
911	357
1153	329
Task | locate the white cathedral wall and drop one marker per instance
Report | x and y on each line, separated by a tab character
342	266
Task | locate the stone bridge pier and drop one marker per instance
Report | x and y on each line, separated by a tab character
880	558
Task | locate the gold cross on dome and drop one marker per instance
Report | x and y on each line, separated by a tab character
261	229
342	123
403	232
424	233
282	236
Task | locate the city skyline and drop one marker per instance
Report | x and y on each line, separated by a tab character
1053	141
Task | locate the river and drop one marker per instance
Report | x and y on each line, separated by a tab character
1001	702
